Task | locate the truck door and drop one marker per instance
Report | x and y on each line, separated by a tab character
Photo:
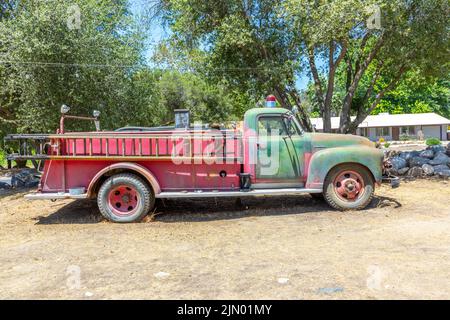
279	153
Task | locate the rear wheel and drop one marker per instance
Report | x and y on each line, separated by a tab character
349	187
125	198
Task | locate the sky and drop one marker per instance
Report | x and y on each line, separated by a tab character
158	33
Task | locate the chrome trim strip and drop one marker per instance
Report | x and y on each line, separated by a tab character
54	196
251	193
278	185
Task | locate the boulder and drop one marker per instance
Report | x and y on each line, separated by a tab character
418	161
4	185
415	172
409	154
402	171
444	173
441	167
398	163
391	153
437	148
429	153
428	169
440	158
25	178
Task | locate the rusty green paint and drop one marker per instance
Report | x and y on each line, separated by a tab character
331	140
324	160
326	150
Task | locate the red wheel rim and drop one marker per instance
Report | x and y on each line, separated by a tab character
349	185
123	200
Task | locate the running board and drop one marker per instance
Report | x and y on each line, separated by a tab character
192	194
250	193
54	196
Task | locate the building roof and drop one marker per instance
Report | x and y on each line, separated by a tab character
390	120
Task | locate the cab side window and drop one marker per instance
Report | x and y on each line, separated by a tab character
271	126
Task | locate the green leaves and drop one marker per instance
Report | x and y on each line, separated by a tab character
50	57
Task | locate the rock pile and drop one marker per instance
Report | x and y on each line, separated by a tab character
433	161
25	178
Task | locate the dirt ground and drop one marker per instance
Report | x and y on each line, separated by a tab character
272	248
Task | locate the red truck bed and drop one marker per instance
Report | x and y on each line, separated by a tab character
175	158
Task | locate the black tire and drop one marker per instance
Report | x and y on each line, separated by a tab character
144	198
317	196
335	200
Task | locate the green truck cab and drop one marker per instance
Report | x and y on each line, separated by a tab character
344	168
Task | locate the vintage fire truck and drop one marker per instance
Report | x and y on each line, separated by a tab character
268	155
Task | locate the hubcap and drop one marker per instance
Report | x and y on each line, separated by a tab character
349	185
123	200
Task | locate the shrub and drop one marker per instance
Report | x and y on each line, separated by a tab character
2	158
403	137
387	144
432	142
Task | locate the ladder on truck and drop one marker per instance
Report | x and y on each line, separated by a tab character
224	145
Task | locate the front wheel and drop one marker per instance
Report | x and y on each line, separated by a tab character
124	198
349	187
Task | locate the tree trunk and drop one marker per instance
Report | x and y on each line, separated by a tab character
345	112
326	115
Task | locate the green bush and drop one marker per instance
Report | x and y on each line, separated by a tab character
404	137
2	158
432	142
387	144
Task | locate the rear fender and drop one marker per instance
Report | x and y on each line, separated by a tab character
129	167
324	160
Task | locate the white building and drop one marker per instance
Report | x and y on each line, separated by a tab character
392	126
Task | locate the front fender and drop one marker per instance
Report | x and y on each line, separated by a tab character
324	160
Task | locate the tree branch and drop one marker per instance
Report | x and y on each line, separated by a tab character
361	50
303	115
326	114
361	116
317	82
345	113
